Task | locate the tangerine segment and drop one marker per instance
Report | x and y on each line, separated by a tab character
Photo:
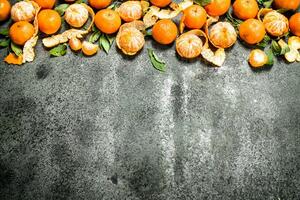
222	35
76	15
23	11
295	24
164	31
49	21
194	17
189	45
130	11
276	24
252	31
20	32
287	4
245	9
108	21
130	40
4	9
217	7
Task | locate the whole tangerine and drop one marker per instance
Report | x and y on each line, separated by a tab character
217	7
20	32
252	31
46	4
108	21
99	4
245	9
287	4
161	3
295	24
194	17
164	31
4	9
49	21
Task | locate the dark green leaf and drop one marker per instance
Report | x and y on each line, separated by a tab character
4	31
16	49
265	3
4	42
270	58
202	2
156	62
104	43
95	36
60	50
264	42
61	9
110	38
81	1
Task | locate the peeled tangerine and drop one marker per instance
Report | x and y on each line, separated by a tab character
130	38
189	45
276	23
23	11
222	35
294	45
130	10
257	58
76	15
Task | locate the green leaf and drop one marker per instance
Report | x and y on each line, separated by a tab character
104	43
270	58
110	38
202	2
279	48
4	31
4	42
235	22
156	62
59	50
95	36
264	42
265	3
16	49
81	1
61	9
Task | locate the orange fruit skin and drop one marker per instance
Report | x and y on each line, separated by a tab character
108	21
218	7
245	9
20	32
295	24
4	9
161	3
46	4
194	17
164	31
257	58
99	4
49	21
252	31
287	4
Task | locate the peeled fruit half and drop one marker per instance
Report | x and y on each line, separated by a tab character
76	15
23	11
222	35
257	58
275	23
130	38
75	44
89	48
189	45
130	10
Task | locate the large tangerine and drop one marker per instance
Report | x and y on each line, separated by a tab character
194	17
222	35
217	7
4	9
130	11
189	45
130	41
252	31
46	4
108	21
76	15
20	32
49	21
245	9
287	4
276	23
164	31
23	11
295	24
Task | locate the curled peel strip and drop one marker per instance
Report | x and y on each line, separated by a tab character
262	12
71	33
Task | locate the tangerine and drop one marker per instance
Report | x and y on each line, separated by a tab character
295	24
217	7
75	44
189	45
99	4
46	4
257	58
49	21
164	31
194	17
20	32
22	11
276	23
252	31
89	48
76	15
4	9
287	4
245	9
130	10
222	35
108	21
130	40
161	3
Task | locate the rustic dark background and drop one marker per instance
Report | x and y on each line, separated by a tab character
112	127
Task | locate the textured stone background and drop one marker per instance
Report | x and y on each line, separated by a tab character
112	127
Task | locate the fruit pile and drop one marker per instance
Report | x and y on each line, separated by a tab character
206	28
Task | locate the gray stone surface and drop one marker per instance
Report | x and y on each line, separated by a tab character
112	127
